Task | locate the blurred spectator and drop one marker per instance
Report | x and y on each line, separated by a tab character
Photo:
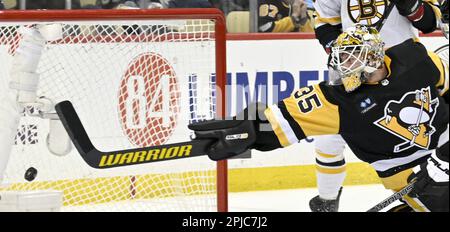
283	16
309	4
231	5
242	3
311	12
111	4
91	7
124	4
155	5
51	4
130	29
1	5
189	4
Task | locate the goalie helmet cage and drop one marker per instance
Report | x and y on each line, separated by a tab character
136	78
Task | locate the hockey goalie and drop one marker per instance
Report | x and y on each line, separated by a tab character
391	107
19	92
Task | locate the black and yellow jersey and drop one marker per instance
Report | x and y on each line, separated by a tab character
275	16
392	124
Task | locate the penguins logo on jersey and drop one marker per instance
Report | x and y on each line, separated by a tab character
368	12
410	119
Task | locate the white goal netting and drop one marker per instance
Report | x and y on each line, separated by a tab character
134	83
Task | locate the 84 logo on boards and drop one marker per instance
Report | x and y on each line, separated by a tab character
411	119
149	100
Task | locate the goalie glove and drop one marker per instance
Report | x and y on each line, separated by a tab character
232	137
431	187
412	9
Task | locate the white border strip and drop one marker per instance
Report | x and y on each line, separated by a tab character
285	127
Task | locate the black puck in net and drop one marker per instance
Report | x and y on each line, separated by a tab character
30	174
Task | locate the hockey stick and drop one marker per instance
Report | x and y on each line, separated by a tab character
119	158
410	143
394	197
385	16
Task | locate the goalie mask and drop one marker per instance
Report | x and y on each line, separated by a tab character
357	53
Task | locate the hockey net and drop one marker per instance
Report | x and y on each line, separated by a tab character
136	78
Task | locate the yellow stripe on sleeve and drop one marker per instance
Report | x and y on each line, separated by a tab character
323	117
319	21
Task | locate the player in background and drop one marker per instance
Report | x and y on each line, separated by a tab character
391	109
2	7
333	16
283	16
444	19
407	17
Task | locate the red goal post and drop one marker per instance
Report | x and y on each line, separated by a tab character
218	36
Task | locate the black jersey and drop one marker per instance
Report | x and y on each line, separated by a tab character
392	124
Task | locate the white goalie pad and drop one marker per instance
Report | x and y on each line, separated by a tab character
9	117
31	201
25	62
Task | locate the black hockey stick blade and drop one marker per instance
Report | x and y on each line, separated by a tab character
386	14
119	158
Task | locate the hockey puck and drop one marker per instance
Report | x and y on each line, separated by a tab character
30	174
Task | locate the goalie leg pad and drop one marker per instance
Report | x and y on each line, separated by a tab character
430	192
25	64
26	84
25	81
29	51
9	117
